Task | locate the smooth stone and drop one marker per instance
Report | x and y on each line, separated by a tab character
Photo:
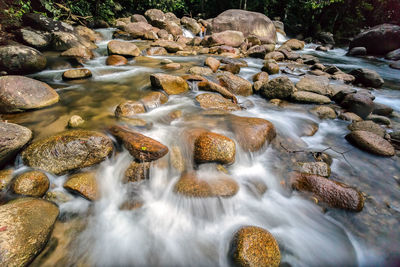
308	97
216	101
116	60
280	87
317	168
32	183
76	74
172	85
371	143
235	84
213	147
368	126
122	48
75	121
13	137
20	59
324	112
84	184
129	109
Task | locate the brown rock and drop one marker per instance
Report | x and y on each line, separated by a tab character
170	46
261	76
32	183
335	194
371	143
252	133
232	68
78	52
254	246
213	63
280	87
350	116
129	109
5	178
141	147
318	85
270	67
122	48
229	38
275	55
77	74
173	66
294	44
213	87
85	184
200	71
308	97
191	185
215	101
116	60
156	51
324	112
13	137
172	85
235	84
213	147
20	59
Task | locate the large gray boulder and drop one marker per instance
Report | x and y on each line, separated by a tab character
19	93
249	23
20	59
380	39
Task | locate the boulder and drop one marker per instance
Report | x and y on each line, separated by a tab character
380	39
394	139
216	101
280	87
309	97
350	116
275	55
36	39
213	63
137	29
259	51
172	85
294	44
213	147
122	48
310	83
156	51
43	23
232	68
32	183
19	93
116	60
357	51
271	67
368	126
252	133
68	151
129	109
88	33
62	41
335	194
20	59
371	143
170	46
26	225
76	74
141	147
358	103
367	77
137	171
379	119
324	112
249	23
200	71
254	246
317	168
84	184
191	25
229	38
13	137
138	18
79	52
381	109
325	38
190	185
235	84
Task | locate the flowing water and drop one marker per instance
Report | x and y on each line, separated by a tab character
171	230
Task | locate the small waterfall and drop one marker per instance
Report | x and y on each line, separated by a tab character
187	33
281	38
106	33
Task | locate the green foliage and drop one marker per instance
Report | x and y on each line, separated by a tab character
15	11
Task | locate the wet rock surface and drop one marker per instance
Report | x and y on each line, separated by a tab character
13	137
68	151
371	143
254	246
33	183
84	184
213	147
